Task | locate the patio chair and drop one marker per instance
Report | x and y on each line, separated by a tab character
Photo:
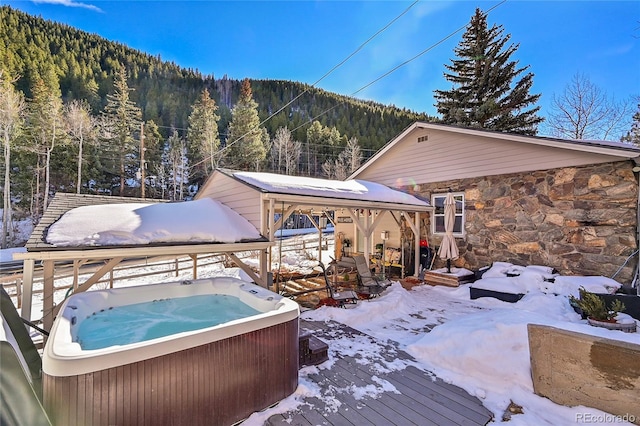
368	283
338	298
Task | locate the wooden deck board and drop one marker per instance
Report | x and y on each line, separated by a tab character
418	398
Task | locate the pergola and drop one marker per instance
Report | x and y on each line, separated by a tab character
38	250
259	197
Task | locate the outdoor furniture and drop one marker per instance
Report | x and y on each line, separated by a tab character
368	284
21	369
338	298
454	278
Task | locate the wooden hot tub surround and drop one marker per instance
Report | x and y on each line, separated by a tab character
218	383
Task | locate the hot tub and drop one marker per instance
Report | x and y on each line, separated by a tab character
214	375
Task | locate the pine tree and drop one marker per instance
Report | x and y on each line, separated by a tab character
246	148
153	150
633	135
202	137
483	94
123	117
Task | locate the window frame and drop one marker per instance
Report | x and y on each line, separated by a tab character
459	196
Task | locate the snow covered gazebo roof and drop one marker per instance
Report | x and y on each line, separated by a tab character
353	193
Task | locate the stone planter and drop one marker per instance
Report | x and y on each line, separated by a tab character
612	325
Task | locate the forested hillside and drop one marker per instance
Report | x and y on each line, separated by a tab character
86	63
89	115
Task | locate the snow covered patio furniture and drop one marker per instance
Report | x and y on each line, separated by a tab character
454	278
509	283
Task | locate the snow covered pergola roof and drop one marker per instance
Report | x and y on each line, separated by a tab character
108	230
330	193
268	199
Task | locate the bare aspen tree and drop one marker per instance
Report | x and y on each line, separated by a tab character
285	152
46	126
584	111
12	107
80	126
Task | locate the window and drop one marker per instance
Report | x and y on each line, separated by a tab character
437	225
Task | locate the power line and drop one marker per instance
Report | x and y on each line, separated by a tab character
398	66
317	81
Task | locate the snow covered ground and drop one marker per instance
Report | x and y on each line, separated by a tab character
480	345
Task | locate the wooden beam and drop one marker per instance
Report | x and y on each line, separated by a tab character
247	269
376	221
47	297
142	251
87	284
194	257
285	215
416	251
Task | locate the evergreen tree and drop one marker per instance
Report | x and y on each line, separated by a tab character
246	148
321	143
483	94
12	109
123	117
153	149
203	137
633	135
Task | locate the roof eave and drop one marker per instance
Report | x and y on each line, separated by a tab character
344	203
64	253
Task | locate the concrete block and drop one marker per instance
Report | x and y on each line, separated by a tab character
574	369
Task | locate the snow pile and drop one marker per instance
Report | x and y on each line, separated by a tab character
479	345
508	278
201	221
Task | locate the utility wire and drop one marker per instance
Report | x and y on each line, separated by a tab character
317	81
394	69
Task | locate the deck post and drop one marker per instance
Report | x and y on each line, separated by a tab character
47	298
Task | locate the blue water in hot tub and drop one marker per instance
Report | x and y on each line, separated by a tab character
122	325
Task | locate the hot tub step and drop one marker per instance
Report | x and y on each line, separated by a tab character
313	351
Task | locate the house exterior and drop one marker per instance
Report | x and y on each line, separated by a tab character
572	205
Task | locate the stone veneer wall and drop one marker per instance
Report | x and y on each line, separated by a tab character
579	220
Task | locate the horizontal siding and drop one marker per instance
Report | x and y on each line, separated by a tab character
449	156
241	198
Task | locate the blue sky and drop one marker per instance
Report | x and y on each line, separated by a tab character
303	40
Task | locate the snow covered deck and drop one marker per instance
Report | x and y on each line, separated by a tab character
410	397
